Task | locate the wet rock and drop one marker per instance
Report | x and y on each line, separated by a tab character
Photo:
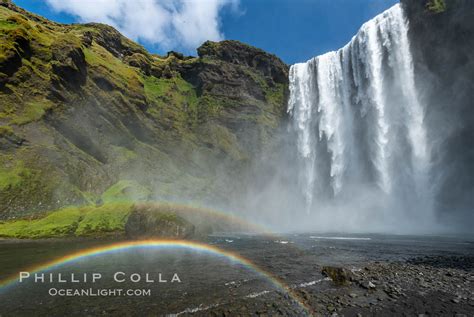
9	140
367	285
340	276
149	223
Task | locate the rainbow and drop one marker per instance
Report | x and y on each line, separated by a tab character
160	244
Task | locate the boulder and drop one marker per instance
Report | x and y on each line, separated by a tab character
340	276
147	223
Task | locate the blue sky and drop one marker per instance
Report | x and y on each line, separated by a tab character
294	30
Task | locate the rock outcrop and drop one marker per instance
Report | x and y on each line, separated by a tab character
147	224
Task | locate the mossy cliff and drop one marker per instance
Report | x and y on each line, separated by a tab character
87	115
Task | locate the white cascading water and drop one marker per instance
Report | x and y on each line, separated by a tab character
359	122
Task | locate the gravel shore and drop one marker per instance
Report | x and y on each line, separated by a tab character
376	277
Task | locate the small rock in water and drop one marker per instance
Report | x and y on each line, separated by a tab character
367	285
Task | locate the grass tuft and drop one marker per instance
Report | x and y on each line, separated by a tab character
436	6
11	177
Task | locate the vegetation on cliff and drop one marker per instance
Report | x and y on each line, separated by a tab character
122	219
88	116
70	221
436	6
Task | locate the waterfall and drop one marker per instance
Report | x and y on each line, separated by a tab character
359	123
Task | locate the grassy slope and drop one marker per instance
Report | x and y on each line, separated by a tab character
71	221
110	219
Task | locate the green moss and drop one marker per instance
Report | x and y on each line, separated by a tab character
86	221
173	101
32	111
224	140
26	45
123	154
210	106
9	39
5	130
70	221
104	31
56	224
14	229
13	176
174	89
104	219
162	212
39	68
99	57
126	190
156	88
436	6
275	95
90	220
4	12
19	20
169	216
7	25
257	77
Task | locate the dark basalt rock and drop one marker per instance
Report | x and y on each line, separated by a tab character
113	41
17	47
235	52
178	55
339	275
69	64
140	61
147	223
9	140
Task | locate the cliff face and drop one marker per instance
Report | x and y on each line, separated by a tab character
442	43
86	114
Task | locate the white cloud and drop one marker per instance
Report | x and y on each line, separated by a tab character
172	24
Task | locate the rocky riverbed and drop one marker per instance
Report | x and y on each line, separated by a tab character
426	286
329	275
